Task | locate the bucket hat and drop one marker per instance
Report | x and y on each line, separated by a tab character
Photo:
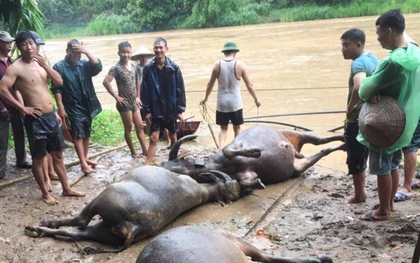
141	50
38	39
382	123
6	37
230	46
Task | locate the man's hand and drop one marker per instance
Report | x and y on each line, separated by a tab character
181	118
149	119
40	60
59	119
122	101
375	98
138	101
61	113
257	102
32	111
79	48
203	101
4	113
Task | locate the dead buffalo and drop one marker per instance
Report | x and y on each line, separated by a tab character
195	244
138	206
258	153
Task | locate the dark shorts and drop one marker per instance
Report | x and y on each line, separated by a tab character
44	134
161	125
415	141
236	117
357	153
80	129
124	108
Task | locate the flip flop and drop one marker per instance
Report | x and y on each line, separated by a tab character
415	186
371	218
400	196
377	206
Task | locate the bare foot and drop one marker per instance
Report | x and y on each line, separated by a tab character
73	193
88	170
49	200
91	163
135	155
53	176
353	200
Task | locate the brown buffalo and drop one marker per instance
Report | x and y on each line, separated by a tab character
258	154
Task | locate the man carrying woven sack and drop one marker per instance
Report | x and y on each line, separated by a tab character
397	76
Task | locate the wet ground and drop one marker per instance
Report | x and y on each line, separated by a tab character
296	68
299	217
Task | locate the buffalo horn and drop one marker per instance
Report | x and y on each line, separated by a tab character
174	152
224	176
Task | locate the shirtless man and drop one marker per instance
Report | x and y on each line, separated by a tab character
29	73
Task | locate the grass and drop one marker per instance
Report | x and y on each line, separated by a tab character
107	129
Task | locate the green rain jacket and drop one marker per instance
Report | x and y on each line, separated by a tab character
78	93
397	76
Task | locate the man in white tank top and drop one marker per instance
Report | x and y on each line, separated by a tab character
229	71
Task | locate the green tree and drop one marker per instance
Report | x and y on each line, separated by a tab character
159	14
16	15
214	13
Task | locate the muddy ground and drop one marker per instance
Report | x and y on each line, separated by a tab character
302	216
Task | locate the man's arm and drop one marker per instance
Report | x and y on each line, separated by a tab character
107	84
210	84
248	83
61	111
6	84
354	98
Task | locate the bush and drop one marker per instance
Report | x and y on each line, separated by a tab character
105	24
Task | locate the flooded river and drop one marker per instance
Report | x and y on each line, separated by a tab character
295	67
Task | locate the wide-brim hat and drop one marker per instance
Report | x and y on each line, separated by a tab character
6	37
141	51
382	123
230	46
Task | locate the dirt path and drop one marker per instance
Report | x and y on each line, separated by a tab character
308	215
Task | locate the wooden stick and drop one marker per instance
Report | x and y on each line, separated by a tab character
212	134
27	177
336	129
280	123
296	114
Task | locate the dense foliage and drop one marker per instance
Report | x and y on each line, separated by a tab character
66	18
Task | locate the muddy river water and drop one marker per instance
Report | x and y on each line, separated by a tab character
295	67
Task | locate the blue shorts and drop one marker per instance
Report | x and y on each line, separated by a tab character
382	163
415	141
236	117
357	153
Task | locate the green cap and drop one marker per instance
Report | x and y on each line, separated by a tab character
230	46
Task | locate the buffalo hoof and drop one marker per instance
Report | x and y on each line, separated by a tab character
257	184
31	231
321	258
90	250
49	224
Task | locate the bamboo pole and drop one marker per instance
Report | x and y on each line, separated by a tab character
27	177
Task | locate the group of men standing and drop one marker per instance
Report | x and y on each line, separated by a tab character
25	83
396	76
